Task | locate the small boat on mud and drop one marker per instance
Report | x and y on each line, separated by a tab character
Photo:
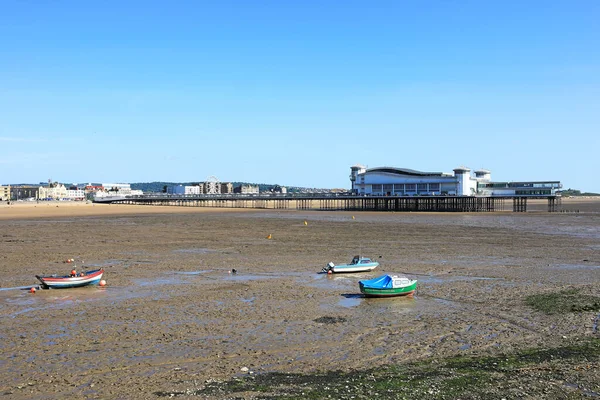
71	281
388	286
358	264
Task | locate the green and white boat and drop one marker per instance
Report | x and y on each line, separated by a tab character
388	286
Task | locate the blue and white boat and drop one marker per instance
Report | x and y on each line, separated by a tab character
358	264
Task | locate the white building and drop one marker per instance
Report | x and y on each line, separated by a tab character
54	191
407	182
180	189
390	181
76	194
117	190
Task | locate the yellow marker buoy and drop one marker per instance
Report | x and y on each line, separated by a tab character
305	223
353	217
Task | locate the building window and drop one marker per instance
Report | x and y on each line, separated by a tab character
376	188
411	187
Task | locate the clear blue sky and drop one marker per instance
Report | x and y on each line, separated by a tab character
296	92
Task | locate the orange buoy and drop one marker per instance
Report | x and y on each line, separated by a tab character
102	283
32	290
269	237
329	272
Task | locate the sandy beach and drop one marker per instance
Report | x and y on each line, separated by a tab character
172	316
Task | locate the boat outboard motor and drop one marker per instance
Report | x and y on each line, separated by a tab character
329	266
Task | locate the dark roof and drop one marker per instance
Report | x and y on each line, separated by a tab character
403	171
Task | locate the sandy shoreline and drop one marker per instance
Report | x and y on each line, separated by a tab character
172	316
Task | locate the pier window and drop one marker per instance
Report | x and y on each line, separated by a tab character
434	187
422	187
411	187
399	188
376	188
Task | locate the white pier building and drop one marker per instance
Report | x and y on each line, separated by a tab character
391	181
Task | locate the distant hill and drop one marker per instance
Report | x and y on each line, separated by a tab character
157	187
576	193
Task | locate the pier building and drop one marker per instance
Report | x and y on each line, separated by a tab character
392	181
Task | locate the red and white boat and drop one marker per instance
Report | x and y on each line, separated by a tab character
71	281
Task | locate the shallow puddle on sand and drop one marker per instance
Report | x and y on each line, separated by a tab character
247	277
196	250
163	280
192	272
360	303
453	278
19	288
574	266
396	305
103	263
15	303
335	281
350	300
25	302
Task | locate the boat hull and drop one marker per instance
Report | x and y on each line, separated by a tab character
353	268
368	291
358	264
65	282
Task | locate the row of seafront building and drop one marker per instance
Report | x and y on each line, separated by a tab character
59	191
93	191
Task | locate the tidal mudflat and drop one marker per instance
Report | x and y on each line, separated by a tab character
174	321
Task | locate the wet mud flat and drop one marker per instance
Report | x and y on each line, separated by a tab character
174	321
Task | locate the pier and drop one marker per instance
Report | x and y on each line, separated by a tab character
338	202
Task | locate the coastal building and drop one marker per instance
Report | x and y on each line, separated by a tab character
391	181
246	189
226	187
278	189
180	189
5	193
22	192
76	193
53	191
116	190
